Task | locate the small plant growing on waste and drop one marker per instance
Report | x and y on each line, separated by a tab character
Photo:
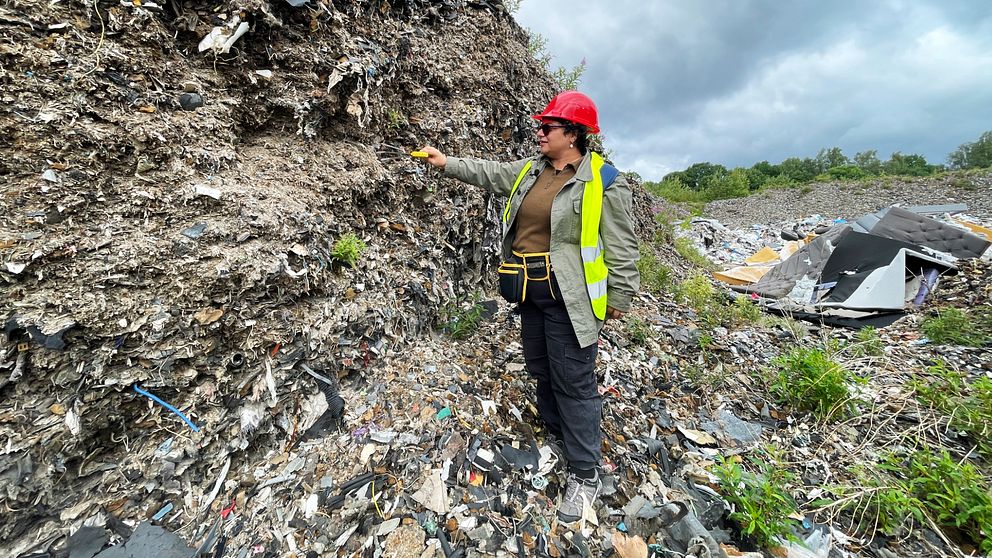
396	119
685	248
638	330
655	276
877	502
809	379
952	326
919	485
743	311
954	493
348	249
967	404
462	319
697	292
866	343
760	499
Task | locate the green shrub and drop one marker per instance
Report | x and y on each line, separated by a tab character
952	326
967	404
733	185
655	276
698	292
348	249
921	484
954	493
810	380
760	500
743	311
777	182
847	172
638	331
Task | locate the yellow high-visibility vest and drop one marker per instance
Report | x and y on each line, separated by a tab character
590	243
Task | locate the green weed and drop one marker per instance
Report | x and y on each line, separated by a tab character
712	307
638	331
697	292
348	249
396	120
655	276
921	484
685	248
760	500
952	326
808	379
743	311
967	404
462	319
954	493
703	376
881	503
866	343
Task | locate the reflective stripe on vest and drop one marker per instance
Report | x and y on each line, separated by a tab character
590	243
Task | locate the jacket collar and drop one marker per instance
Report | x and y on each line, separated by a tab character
583	171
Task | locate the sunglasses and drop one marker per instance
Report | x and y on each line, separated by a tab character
546	128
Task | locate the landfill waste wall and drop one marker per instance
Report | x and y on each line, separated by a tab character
189	366
174	178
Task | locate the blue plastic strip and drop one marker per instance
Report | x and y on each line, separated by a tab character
162	512
167	406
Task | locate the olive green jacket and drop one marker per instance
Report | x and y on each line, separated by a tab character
616	228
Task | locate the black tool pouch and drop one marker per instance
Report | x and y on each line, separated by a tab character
512	279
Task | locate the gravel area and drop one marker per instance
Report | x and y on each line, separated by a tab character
851	200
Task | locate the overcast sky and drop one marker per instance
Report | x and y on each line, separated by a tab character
739	81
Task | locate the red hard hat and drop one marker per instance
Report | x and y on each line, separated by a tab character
574	107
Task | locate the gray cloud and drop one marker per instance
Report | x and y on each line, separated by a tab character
735	82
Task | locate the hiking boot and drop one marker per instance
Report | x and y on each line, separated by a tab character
577	492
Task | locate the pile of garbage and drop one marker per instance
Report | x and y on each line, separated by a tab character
857	274
193	364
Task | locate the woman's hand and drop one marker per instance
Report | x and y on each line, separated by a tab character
612	312
435	157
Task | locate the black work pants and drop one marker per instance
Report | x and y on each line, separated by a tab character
567	393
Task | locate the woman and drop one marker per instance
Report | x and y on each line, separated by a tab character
568	222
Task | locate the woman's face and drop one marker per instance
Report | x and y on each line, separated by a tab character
553	139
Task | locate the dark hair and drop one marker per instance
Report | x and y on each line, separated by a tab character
581	132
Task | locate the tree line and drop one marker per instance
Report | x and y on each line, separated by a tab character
710	181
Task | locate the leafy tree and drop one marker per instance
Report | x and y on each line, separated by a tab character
732	185
755	178
767	169
799	170
830	158
868	161
972	155
908	165
699	175
847	172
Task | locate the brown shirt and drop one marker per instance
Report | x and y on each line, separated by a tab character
534	216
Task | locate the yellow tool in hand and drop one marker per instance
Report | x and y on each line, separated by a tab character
421	154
